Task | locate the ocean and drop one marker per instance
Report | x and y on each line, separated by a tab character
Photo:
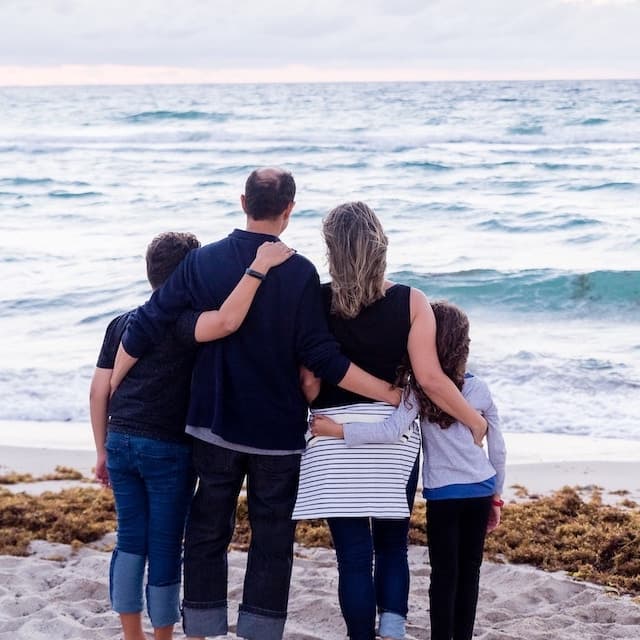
520	201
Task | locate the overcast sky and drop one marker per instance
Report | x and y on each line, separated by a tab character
207	40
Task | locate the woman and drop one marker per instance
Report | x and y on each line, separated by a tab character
366	493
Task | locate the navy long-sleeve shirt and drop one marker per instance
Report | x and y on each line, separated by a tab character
245	387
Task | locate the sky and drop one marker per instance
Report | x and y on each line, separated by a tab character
133	41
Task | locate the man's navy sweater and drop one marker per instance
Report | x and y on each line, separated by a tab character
245	387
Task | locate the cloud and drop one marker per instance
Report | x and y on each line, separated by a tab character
374	34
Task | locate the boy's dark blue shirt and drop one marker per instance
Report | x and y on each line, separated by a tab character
245	387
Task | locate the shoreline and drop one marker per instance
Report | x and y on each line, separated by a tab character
539	462
61	591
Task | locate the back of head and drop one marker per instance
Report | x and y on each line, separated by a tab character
268	192
452	344
164	254
357	253
452	338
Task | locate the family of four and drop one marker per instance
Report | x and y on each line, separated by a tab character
238	342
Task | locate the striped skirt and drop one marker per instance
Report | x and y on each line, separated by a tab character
367	480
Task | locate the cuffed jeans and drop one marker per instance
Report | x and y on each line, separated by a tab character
272	482
152	483
358	542
456	530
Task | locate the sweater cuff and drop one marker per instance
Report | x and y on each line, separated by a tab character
336	370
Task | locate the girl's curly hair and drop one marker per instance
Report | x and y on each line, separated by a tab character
452	344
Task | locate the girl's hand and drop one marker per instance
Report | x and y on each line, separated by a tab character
271	254
324	426
494	518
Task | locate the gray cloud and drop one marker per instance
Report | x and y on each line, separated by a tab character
389	33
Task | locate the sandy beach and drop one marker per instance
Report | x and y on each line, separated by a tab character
60	593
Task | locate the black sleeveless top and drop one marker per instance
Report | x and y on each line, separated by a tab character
375	340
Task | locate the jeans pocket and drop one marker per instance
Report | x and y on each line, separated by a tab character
117	450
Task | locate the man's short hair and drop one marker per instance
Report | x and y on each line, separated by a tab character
267	193
164	254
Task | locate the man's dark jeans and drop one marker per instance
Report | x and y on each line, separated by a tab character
272	483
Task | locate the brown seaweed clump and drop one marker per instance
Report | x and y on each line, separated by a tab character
60	473
589	540
72	516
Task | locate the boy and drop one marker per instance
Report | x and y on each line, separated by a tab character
142	450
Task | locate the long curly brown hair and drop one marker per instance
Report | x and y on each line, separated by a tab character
452	344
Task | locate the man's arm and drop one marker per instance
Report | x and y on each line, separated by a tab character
319	351
212	325
184	289
98	409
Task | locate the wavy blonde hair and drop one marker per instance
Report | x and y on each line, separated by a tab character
357	254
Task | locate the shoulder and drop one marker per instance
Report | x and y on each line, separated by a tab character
475	390
119	324
298	268
300	262
418	300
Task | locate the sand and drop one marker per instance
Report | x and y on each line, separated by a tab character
57	593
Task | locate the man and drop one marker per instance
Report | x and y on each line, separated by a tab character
247	410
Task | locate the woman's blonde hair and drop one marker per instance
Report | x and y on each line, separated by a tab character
357	253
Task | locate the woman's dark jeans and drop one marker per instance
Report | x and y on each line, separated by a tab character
363	588
456	529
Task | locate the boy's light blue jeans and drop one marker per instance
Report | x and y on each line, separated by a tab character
153	483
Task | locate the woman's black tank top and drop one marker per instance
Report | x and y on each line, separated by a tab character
375	340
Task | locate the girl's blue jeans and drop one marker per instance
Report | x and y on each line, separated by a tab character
152	483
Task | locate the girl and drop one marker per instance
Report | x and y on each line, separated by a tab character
461	484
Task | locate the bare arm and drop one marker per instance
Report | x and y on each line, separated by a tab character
121	367
98	408
212	325
310	384
428	372
359	381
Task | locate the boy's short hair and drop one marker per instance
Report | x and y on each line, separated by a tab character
164	254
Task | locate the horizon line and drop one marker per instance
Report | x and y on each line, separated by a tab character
128	75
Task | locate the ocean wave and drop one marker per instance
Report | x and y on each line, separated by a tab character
20	181
159	116
591	122
70	194
533	290
526	130
418	164
617	186
539	223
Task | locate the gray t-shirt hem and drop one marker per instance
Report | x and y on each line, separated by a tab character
202	433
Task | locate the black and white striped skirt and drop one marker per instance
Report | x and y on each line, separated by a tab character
366	480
